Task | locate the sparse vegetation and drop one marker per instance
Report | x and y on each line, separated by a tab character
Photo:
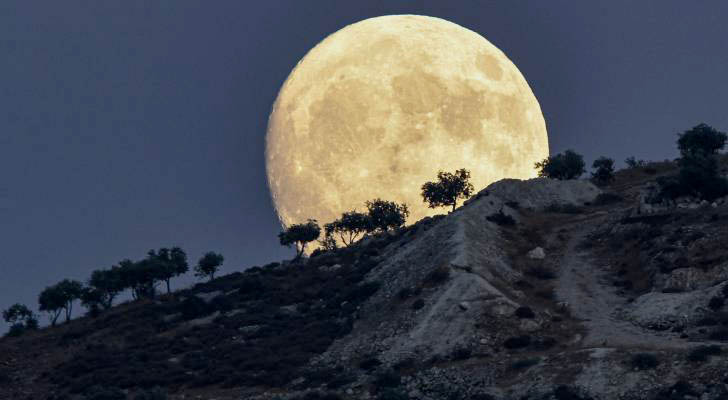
524	312
569	165
632	162
448	189
517	342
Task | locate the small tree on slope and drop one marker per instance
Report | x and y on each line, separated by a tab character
448	189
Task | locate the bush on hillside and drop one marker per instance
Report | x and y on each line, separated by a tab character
603	171
644	361
569	165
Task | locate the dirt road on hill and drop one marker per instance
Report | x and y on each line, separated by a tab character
591	298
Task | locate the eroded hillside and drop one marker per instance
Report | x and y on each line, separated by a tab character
532	290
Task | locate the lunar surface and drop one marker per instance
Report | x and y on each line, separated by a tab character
378	108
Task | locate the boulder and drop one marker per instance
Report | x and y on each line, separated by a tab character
537	254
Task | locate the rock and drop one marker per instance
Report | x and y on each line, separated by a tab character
464	305
207	297
537	254
714	205
529	325
693	206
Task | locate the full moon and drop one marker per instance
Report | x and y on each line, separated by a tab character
379	107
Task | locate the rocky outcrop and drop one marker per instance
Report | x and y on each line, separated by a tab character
479	288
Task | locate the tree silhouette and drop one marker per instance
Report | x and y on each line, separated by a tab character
569	165
349	227
299	235
385	215
60	297
209	264
604	170
448	189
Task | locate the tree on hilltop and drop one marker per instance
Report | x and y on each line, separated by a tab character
569	165
385	215
209	264
299	235
448	189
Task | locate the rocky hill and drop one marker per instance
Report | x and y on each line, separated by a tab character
537	289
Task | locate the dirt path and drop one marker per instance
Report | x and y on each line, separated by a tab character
584	285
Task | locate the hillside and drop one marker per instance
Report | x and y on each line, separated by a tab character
539	289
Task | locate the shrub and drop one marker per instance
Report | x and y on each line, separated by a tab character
702	353
193	307
438	275
461	353
568	165
448	189
524	312
603	171
500	218
517	342
418	304
525	363
644	361
370	363
716	303
16	330
404	293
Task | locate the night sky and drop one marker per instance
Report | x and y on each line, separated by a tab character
130	125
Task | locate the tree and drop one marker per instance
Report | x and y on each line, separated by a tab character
168	264
103	286
569	165
448	189
604	170
60	297
385	215
299	235
702	140
52	302
21	319
209	264
349	227
699	173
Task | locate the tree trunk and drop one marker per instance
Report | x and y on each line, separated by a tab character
453	205
168	290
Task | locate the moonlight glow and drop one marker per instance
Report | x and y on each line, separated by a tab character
377	108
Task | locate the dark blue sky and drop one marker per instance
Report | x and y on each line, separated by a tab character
129	125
